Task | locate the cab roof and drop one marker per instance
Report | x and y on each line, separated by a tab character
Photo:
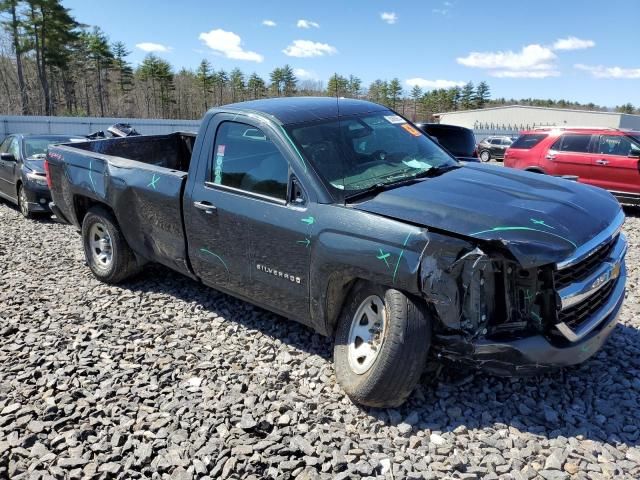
289	110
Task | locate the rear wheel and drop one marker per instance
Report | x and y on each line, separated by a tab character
23	203
381	345
485	155
106	251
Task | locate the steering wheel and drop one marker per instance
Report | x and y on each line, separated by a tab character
378	155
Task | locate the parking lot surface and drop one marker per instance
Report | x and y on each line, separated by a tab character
164	378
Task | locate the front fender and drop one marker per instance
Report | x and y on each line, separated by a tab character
373	248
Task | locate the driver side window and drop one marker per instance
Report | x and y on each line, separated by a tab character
14	148
4	146
246	159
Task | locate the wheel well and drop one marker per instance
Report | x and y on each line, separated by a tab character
534	170
82	204
338	291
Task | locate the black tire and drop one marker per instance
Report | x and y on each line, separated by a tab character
401	356
23	204
123	262
485	156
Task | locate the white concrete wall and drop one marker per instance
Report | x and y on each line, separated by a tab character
539	116
84	125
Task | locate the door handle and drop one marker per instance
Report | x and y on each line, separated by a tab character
207	207
550	156
602	162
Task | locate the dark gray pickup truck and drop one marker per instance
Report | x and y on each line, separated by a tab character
340	214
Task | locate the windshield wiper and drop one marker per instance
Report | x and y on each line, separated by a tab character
381	187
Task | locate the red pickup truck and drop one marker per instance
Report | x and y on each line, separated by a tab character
605	157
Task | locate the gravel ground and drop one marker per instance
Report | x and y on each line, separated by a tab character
164	378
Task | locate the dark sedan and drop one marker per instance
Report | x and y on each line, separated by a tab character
494	147
458	141
22	177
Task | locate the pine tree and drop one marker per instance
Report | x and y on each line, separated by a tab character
337	86
236	80
354	86
13	26
125	72
466	96
205	80
276	77
395	92
416	93
256	86
51	31
482	95
289	80
101	56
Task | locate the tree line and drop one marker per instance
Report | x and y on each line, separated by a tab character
51	64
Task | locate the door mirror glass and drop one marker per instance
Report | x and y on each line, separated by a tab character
8	157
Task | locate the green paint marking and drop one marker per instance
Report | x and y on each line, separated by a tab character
154	181
507	229
204	250
528	296
404	245
306	242
308	220
93	184
304	164
383	256
585	348
541	222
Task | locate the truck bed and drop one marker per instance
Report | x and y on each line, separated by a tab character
171	151
142	176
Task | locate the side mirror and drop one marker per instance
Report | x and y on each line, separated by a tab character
7	157
634	154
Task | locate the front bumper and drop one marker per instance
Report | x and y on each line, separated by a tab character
38	197
538	353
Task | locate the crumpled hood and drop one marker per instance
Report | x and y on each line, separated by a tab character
539	219
35	165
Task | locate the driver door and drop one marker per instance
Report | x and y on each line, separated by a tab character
8	167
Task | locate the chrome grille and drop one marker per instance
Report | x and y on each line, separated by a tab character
574	316
579	271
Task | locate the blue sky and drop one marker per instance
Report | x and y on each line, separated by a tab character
578	50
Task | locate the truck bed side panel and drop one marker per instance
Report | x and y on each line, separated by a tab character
146	200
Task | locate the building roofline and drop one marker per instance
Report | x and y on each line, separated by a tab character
535	108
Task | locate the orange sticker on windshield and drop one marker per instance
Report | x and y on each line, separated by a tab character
411	130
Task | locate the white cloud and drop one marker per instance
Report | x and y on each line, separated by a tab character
389	17
228	44
573	43
524	73
303	74
307	24
531	57
432	84
152	47
600	71
269	23
307	48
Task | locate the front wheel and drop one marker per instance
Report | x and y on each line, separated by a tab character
381	345
485	156
106	250
23	203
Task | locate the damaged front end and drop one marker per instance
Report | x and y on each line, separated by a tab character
494	313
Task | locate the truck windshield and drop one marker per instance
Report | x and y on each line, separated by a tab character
357	152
